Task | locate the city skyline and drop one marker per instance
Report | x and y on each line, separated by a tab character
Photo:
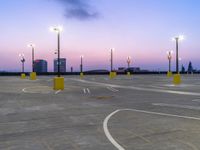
142	30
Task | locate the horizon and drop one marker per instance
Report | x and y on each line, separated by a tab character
142	30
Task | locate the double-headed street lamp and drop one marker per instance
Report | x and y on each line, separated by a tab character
128	61
58	30
33	49
23	61
169	57
177	39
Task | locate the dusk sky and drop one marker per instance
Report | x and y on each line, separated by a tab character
141	29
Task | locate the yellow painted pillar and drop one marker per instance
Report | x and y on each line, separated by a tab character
177	79
59	83
169	74
112	75
128	74
33	76
23	76
81	75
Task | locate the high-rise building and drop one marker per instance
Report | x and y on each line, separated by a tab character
62	65
40	65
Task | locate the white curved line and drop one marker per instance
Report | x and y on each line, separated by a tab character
113	141
107	133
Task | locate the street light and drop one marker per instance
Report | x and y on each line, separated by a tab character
128	61
81	66
177	39
111	59
23	61
33	49
58	30
169	57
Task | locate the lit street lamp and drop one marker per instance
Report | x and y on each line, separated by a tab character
33	49
81	66
58	30
169	56
23	61
128	61
177	39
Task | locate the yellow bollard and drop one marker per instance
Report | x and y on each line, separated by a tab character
177	79
113	75
81	75
128	74
33	76
169	74
59	83
23	76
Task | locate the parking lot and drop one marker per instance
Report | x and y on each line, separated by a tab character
141	112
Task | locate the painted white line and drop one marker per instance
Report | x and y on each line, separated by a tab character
88	90
24	90
196	100
30	90
177	106
139	88
84	90
57	91
114	142
107	133
112	89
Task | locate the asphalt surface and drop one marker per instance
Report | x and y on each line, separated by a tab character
141	112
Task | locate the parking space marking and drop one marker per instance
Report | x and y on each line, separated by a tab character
112	89
30	90
140	88
177	106
86	91
196	100
57	92
114	142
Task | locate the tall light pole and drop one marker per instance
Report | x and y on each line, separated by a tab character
177	39
81	66
169	57
23	61
33	49
111	59
128	61
58	30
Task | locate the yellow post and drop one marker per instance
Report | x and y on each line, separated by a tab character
128	74
81	75
112	75
115	74
177	79
169	74
59	83
33	76
23	76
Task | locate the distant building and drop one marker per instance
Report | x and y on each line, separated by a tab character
133	69
40	65
62	65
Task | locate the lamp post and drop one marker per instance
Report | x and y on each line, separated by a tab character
32	46
81	66
169	56
23	61
111	59
177	39
58	30
128	61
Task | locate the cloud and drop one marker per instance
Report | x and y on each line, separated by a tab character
78	9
